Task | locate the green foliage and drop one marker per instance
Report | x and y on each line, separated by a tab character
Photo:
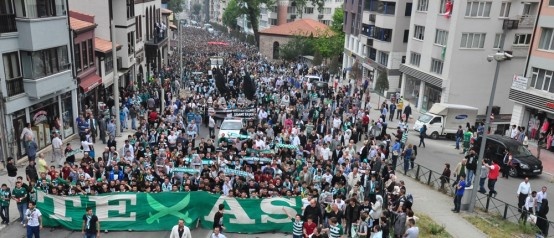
175	5
338	21
232	12
329	45
318	59
253	12
296	47
382	83
355	71
196	9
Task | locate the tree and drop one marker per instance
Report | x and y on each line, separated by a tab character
355	71
296	47
382	82
176	6
232	12
338	21
196	9
318	59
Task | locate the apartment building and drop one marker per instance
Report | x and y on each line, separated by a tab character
448	45
533	91
37	83
377	38
140	33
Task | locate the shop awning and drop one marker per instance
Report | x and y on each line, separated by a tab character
90	82
172	26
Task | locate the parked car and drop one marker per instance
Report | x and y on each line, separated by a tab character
524	163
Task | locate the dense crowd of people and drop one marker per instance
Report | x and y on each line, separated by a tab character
309	139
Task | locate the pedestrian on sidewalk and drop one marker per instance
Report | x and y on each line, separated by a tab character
408	112
392	111
445	177
5	197
459	136
506	164
399	107
33	220
180	230
407	154
31	148
19	194
483	176
57	150
12	172
460	188
540	196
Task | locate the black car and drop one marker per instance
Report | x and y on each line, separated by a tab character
523	162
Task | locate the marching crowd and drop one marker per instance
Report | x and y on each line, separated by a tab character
308	139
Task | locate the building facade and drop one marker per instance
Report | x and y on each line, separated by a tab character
37	80
378	43
533	91
447	54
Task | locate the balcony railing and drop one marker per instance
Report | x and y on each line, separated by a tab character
527	21
15	86
158	38
7	23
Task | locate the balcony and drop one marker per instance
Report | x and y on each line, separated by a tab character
15	86
527	21
42	33
7	23
38	88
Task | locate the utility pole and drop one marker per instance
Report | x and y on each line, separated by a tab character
180	29
475	184
115	80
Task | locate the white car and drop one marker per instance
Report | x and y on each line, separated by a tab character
230	127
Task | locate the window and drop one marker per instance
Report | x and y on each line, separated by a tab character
408	10
309	10
473	40
327	10
522	39
291	9
39	8
326	22
84	54
77	56
382	34
383	58
108	63
478	9
551	3
419	32
130	9
542	79
442	6
12	70
42	63
505	9
436	66
90	52
547	39
272	21
497	41
130	43
372	53
386	7
415	58
422	5
406	36
441	37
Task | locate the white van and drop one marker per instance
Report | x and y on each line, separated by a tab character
443	119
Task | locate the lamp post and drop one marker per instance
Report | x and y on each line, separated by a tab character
498	57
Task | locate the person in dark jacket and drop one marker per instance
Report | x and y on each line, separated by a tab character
12	172
31	150
313	211
542	220
31	171
408	112
351	214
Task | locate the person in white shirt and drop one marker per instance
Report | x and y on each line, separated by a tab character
540	196
33	220
180	230
523	191
217	233
325	152
57	150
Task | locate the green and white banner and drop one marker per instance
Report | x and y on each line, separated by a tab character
161	211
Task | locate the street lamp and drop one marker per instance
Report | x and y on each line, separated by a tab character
499	57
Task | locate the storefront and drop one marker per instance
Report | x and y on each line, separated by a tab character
534	112
431	96
45	119
420	88
67	115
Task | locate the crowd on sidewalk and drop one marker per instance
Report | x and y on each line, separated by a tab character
313	141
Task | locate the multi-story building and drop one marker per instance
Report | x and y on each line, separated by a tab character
533	90
448	45
37	83
141	32
377	39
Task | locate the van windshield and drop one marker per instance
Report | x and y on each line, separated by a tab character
425	118
520	151
231	125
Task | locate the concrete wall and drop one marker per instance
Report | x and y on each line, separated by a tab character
266	44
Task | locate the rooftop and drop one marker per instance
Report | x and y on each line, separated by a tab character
303	27
104	46
79	25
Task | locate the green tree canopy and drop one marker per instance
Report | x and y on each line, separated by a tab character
338	21
382	83
232	12
196	9
175	5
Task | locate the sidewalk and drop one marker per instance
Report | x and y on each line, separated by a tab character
437	206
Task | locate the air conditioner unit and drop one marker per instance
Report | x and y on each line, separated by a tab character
372	17
119	63
369	42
